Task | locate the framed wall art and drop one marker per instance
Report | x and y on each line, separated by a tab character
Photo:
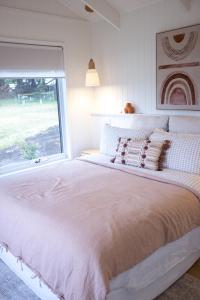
178	68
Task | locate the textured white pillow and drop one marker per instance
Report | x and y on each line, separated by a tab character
183	153
110	137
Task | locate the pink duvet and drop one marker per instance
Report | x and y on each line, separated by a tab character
78	224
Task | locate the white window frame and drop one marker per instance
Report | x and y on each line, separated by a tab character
62	117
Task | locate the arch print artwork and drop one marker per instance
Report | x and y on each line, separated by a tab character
178	69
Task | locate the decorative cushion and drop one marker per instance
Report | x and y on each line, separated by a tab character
111	135
184	124
139	153
183	153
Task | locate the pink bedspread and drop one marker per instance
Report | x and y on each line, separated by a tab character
78	224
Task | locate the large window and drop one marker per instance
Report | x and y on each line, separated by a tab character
30	107
29	120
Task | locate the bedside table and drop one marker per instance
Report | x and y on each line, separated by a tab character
89	152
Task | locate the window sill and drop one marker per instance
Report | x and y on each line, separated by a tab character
31	165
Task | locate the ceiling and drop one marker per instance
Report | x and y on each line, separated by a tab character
72	8
109	10
50	7
124	6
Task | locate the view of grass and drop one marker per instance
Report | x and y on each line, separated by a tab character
19	121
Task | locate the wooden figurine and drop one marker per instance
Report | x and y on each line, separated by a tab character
129	108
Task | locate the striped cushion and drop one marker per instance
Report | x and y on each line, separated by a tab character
139	153
183	153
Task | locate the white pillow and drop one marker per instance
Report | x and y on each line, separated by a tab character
110	137
184	124
184	150
148	122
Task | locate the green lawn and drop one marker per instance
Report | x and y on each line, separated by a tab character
19	121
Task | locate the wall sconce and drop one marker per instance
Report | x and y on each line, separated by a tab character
92	76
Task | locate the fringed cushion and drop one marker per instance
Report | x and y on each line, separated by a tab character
139	153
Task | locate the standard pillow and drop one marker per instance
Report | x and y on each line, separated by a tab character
139	153
183	152
150	122
111	135
184	124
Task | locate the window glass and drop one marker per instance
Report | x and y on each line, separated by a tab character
29	120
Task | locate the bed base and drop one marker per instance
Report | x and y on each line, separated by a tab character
157	287
147	293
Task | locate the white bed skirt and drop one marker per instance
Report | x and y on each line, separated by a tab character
145	281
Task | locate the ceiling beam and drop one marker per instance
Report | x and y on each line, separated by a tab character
186	3
74	6
105	10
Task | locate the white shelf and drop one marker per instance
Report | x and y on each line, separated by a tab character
113	115
125	115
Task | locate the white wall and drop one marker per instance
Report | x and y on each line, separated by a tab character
16	24
126	59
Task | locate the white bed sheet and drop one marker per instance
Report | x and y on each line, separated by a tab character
192	181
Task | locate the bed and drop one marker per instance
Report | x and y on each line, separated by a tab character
69	225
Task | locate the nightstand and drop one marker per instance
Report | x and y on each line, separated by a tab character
89	152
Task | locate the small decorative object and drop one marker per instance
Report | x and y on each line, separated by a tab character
178	69
129	108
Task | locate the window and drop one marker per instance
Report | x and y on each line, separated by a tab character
30	108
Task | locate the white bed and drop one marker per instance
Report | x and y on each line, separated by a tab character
150	277
147	279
